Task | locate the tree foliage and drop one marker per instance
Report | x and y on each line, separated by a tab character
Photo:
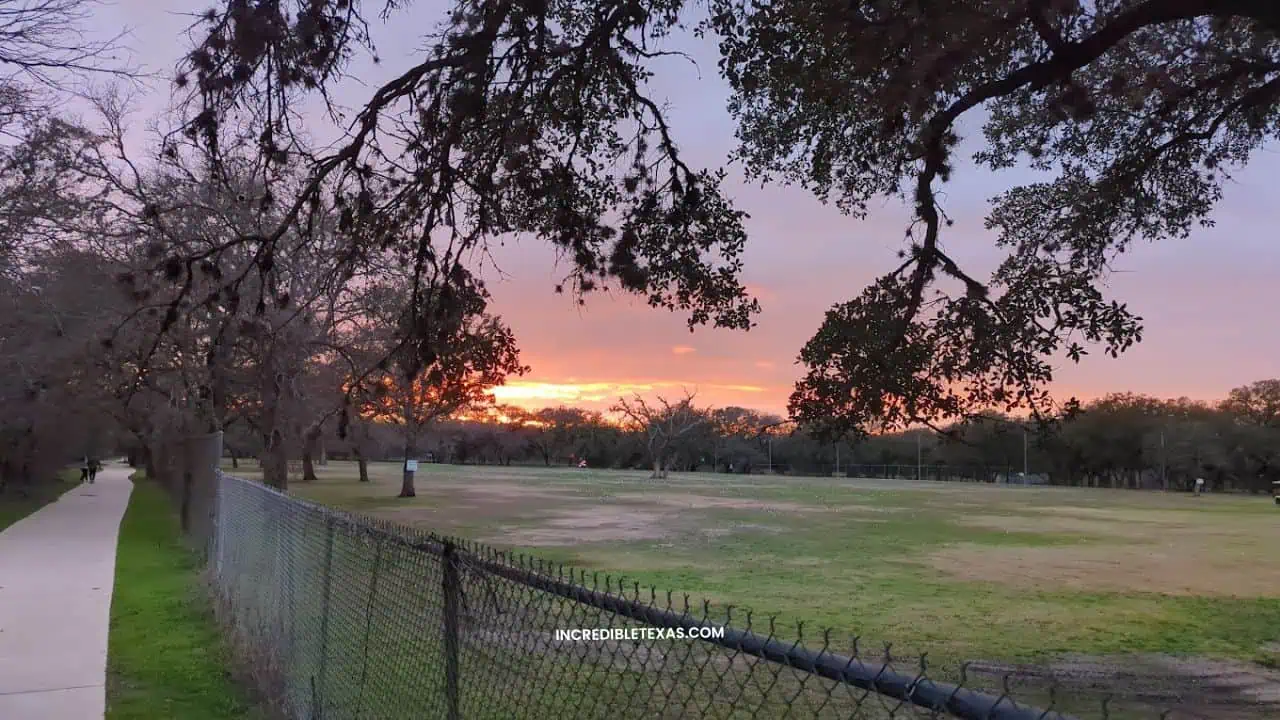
513	120
518	119
1132	112
1257	403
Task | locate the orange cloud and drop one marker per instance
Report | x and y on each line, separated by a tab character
530	394
765	365
683	350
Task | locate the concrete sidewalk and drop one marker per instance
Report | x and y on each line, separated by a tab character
57	569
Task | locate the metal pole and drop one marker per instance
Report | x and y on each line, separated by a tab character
1164	465
452	604
837	458
1024	454
918	456
770	454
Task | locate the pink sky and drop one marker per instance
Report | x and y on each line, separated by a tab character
1210	301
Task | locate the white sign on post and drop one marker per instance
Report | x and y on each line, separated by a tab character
411	465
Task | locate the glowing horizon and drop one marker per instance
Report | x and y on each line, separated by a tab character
532	395
599	395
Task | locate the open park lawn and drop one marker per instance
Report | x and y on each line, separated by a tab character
1170	587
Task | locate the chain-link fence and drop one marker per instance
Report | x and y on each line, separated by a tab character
343	616
1003	474
186	467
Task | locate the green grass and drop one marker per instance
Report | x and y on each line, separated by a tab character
15	506
893	561
166	655
963	572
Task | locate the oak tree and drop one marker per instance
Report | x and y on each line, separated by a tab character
1129	114
516	117
446	355
664	425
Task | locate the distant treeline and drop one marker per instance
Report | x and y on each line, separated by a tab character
1119	441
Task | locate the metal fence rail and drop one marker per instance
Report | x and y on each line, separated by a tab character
343	616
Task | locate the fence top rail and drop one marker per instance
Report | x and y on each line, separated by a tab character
614	596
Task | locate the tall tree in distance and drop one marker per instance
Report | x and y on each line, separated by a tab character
1258	402
447	354
664	425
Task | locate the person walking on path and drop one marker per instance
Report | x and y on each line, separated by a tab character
84	469
57	570
94	467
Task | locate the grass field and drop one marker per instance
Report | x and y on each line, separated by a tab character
166	657
1177	586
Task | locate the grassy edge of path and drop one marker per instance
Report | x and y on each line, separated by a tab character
166	655
14	507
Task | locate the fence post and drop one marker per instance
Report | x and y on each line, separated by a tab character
188	482
210	482
219	524
452	589
318	712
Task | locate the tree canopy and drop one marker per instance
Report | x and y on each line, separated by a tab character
536	118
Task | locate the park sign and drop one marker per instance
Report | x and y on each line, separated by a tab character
411	466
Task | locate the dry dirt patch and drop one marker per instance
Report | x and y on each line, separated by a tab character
506	490
705	502
1055	524
1165	569
1192	687
596	524
461	503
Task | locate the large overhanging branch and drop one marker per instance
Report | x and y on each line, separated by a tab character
1067	57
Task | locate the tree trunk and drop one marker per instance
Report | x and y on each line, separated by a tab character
148	463
275	463
308	466
406	484
274	460
324	454
657	468
310	443
361	463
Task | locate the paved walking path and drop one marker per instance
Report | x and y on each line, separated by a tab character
57	569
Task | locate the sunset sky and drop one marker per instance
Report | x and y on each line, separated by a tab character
1209	302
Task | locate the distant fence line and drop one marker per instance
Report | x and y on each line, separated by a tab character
343	616
945	473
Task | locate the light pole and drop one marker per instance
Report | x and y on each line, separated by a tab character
919	475
1024	455
1164	464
